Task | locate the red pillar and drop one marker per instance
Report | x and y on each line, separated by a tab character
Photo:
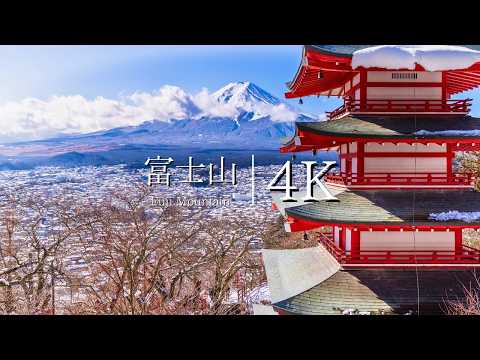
343	237
450	155
360	161
458	241
363	89
444	87
355	243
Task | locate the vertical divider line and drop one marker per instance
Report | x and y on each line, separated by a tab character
414	200
253	179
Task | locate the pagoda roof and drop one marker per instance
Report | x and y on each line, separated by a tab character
393	291
307	82
350	128
393	208
398	127
293	271
334	63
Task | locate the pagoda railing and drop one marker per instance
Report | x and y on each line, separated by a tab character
401	106
467	255
401	179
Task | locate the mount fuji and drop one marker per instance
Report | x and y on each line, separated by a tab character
240	115
239	119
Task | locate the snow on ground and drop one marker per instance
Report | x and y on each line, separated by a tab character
431	57
455	215
449	132
259	294
255	296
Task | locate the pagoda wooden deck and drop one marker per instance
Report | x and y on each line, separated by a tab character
407	107
421	180
465	257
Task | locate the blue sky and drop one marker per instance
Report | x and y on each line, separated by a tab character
49	90
110	71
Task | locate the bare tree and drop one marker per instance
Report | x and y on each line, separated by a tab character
166	260
32	252
135	258
231	262
469	304
469	163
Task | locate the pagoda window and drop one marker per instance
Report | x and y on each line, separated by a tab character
347	239
419	158
356	80
404	147
354	165
348	158
353	147
347	87
407	241
404	93
336	235
408	75
407	165
356	95
395	77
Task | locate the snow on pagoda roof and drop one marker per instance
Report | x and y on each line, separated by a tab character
324	70
430	57
393	207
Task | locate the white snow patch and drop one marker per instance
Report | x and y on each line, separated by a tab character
431	57
455	215
259	294
449	132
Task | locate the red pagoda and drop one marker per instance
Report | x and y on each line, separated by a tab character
393	242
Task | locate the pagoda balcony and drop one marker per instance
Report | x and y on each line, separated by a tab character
399	107
467	256
402	179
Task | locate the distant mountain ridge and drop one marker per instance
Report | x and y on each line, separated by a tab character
243	116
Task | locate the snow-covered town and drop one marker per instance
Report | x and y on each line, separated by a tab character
92	186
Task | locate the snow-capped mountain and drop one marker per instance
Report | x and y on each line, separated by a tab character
244	115
239	115
246	97
244	94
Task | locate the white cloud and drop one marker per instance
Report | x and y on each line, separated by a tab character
32	118
211	107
